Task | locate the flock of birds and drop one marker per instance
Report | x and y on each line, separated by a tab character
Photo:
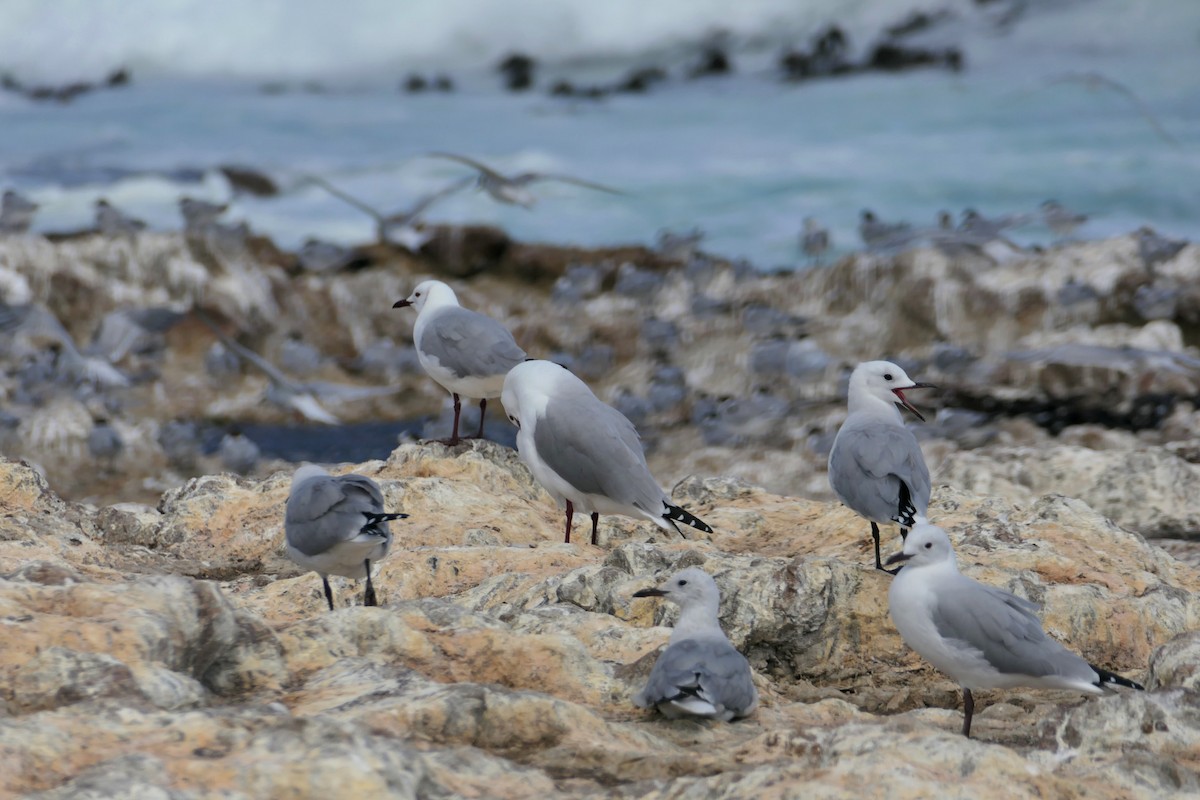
588	457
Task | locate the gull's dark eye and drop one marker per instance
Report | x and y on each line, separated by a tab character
928	545
887	376
683	583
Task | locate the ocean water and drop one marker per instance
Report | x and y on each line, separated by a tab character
743	157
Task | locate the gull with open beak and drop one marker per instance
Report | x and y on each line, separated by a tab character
876	466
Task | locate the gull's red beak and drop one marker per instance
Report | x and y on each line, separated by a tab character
401	304
905	404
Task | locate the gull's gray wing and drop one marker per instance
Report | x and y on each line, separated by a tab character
526	178
470	344
254	358
426	201
348	392
708	668
1004	629
343	196
593	447
867	463
325	510
472	163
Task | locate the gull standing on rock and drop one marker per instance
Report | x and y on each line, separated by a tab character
700	673
981	636
511	189
876	467
337	526
1061	220
16	212
585	453
814	240
465	352
111	221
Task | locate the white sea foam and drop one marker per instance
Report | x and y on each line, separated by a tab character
74	39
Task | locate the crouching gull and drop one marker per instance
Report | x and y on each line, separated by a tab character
981	636
585	453
337	526
876	467
700	673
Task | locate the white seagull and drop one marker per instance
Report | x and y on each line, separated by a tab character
700	673
585	453
876	467
981	636
511	189
337	526
465	352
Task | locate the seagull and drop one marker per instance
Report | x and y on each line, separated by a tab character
104	443
110	221
700	673
1060	219
876	467
132	330
814	240
878	235
300	397
1154	248
511	189
200	215
678	246
465	352
401	227
981	636
337	526
238	453
585	453
16	212
36	323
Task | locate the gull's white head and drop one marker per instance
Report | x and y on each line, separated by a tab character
305	472
884	382
925	544
528	385
431	293
688	588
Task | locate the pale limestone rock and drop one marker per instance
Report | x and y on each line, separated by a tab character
506	670
1151	491
1176	664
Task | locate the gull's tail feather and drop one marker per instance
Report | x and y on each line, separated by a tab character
676	514
1112	677
375	519
906	512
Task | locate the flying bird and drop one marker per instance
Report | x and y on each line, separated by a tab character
511	189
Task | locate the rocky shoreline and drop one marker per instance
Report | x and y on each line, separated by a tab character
160	644
174	651
1055	373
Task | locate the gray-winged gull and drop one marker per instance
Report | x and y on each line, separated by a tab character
584	452
336	525
876	467
981	636
465	352
700	673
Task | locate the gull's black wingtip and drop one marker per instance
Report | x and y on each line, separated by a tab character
677	514
1114	678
